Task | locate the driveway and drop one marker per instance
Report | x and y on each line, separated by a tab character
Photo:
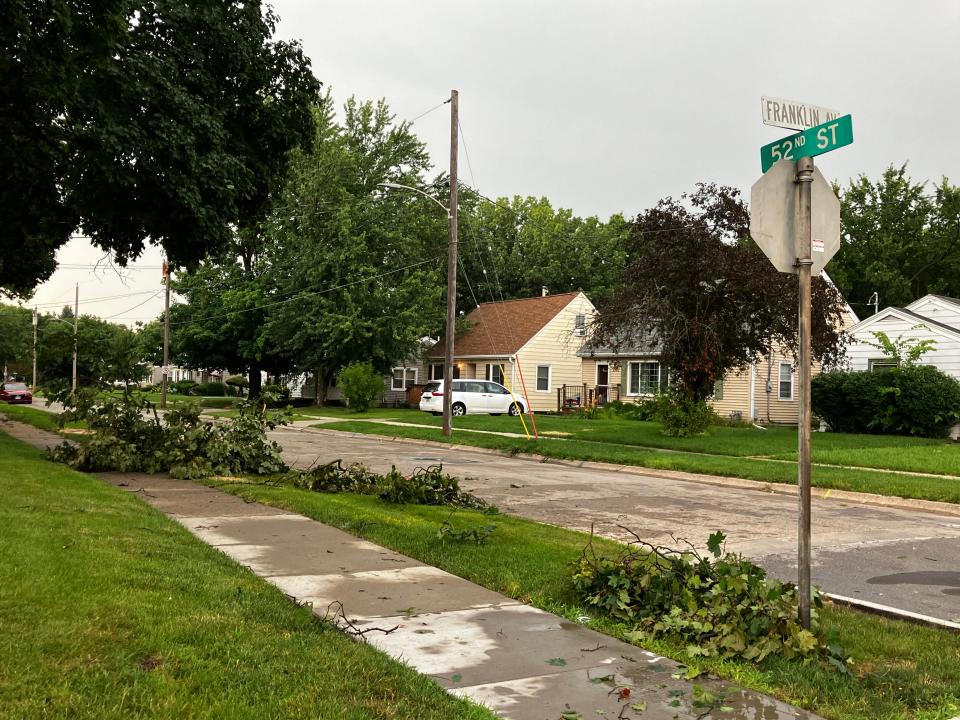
897	557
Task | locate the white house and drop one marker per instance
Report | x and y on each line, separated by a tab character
932	317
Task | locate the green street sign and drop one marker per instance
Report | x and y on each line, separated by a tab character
813	141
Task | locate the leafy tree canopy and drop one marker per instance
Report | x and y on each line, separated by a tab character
696	285
512	248
358	270
899	240
162	122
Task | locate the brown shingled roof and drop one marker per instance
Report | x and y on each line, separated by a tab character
502	328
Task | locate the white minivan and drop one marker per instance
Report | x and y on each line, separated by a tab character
470	397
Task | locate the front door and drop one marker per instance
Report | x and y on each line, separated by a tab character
603	382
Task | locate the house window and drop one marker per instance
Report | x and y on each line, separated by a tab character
543	378
436	371
718	390
403	378
495	373
580	325
881	364
786	382
643	378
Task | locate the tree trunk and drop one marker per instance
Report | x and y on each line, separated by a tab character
256	382
316	388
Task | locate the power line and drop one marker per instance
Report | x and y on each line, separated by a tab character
427	112
309	294
110	317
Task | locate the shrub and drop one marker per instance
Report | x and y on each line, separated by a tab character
617	410
910	400
683	416
209	389
361	385
238	382
183	386
722	605
279	393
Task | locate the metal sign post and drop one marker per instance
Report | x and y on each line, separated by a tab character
797	240
804	266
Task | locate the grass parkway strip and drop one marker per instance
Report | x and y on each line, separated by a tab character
110	610
942	489
900	671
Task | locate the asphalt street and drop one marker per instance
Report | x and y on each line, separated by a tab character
897	557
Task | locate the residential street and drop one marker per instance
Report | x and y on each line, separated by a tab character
902	558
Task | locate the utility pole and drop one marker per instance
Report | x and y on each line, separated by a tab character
804	265
875	301
451	268
34	383
76	320
166	335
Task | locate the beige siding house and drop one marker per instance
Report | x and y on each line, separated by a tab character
765	391
530	345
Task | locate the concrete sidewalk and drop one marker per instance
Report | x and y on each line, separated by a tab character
523	663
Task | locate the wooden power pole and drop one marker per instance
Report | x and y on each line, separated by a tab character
166	335
76	320
451	268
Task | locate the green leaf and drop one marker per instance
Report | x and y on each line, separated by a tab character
557	662
715	543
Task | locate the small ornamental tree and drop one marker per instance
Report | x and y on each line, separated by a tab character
698	287
361	385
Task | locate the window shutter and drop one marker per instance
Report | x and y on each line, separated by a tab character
624	378
664	378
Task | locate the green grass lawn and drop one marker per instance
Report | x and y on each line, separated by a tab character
901	671
205	401
42	419
944	489
874	451
110	610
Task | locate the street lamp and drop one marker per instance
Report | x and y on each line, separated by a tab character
451	297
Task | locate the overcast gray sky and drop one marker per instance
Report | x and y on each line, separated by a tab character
606	107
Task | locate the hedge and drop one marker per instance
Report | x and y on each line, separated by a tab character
911	400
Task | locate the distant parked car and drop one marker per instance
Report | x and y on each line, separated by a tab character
16	393
473	397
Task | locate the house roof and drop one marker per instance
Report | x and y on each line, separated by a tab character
627	344
905	315
502	328
931	321
954	301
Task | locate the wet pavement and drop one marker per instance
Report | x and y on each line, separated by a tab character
861	551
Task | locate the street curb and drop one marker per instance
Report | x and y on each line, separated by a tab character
895	613
897	503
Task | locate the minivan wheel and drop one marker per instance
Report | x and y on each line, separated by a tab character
459	409
516	409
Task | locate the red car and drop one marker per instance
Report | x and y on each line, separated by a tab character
16	392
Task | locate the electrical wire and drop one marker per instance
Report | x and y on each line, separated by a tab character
155	294
309	294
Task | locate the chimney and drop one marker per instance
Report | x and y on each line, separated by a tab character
543	291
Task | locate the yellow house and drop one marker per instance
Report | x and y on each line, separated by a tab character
765	391
530	345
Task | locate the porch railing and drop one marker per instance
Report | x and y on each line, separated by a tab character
574	397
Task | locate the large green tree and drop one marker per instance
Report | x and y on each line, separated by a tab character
16	339
223	323
165	122
106	352
357	270
699	289
899	240
514	247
